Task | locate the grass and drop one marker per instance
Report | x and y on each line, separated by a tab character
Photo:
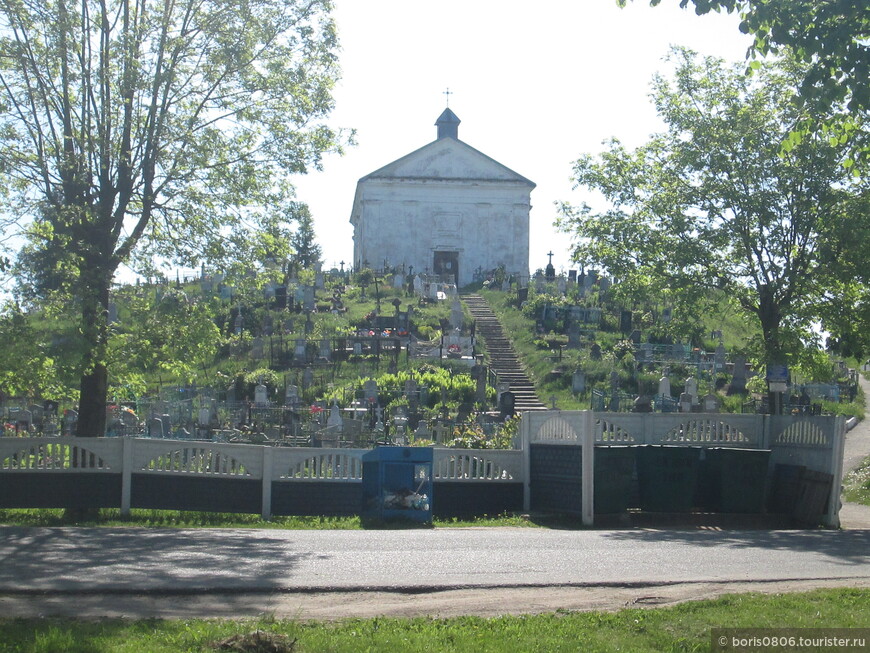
188	519
685	627
856	485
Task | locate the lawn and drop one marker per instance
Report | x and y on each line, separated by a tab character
685	627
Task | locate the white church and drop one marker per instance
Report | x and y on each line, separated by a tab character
443	209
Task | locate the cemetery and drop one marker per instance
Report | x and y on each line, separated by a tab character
314	376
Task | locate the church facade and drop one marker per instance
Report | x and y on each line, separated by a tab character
443	209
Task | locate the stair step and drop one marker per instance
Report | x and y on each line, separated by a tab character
502	358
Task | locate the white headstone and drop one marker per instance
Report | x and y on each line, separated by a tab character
261	395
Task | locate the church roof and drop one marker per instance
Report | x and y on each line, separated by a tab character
447	159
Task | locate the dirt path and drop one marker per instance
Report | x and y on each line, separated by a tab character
343	605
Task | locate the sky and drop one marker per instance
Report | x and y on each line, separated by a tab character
535	84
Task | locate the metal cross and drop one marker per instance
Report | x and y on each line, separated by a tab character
550	254
448	93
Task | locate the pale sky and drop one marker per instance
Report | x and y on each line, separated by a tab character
535	84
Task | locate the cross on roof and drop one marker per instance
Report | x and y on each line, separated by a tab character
550	254
448	93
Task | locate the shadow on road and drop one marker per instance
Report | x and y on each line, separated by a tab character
97	558
848	547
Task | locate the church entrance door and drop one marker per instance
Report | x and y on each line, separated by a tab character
446	264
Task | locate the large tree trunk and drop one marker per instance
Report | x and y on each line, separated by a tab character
770	316
94	386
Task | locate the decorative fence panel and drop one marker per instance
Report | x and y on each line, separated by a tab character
477	465
310	464
60	455
194	458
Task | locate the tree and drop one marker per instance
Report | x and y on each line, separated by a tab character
831	38
306	251
140	129
713	204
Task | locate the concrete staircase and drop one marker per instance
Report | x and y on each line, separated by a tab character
503	360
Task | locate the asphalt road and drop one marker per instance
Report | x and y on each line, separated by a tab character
140	560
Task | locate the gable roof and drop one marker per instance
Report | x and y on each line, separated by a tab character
447	159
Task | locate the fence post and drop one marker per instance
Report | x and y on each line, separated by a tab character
266	511
126	473
588	468
525	433
838	442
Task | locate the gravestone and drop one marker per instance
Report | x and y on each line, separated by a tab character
70	421
635	337
308	302
291	396
539	282
738	379
325	349
479	373
642	404
155	428
334	421
522	295
664	386
257	348
710	403
281	297
562	285
604	284
307	378
595	352
578	382
686	402
422	431
506	404
719	358
411	393
370	390
261	395
692	387
572	276
299	351
573	335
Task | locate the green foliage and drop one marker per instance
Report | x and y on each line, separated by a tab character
174	139
306	251
712	205
856	484
833	40
470	435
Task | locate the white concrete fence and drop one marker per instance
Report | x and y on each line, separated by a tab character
815	442
812	441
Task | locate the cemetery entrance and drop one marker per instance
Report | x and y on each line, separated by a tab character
446	264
